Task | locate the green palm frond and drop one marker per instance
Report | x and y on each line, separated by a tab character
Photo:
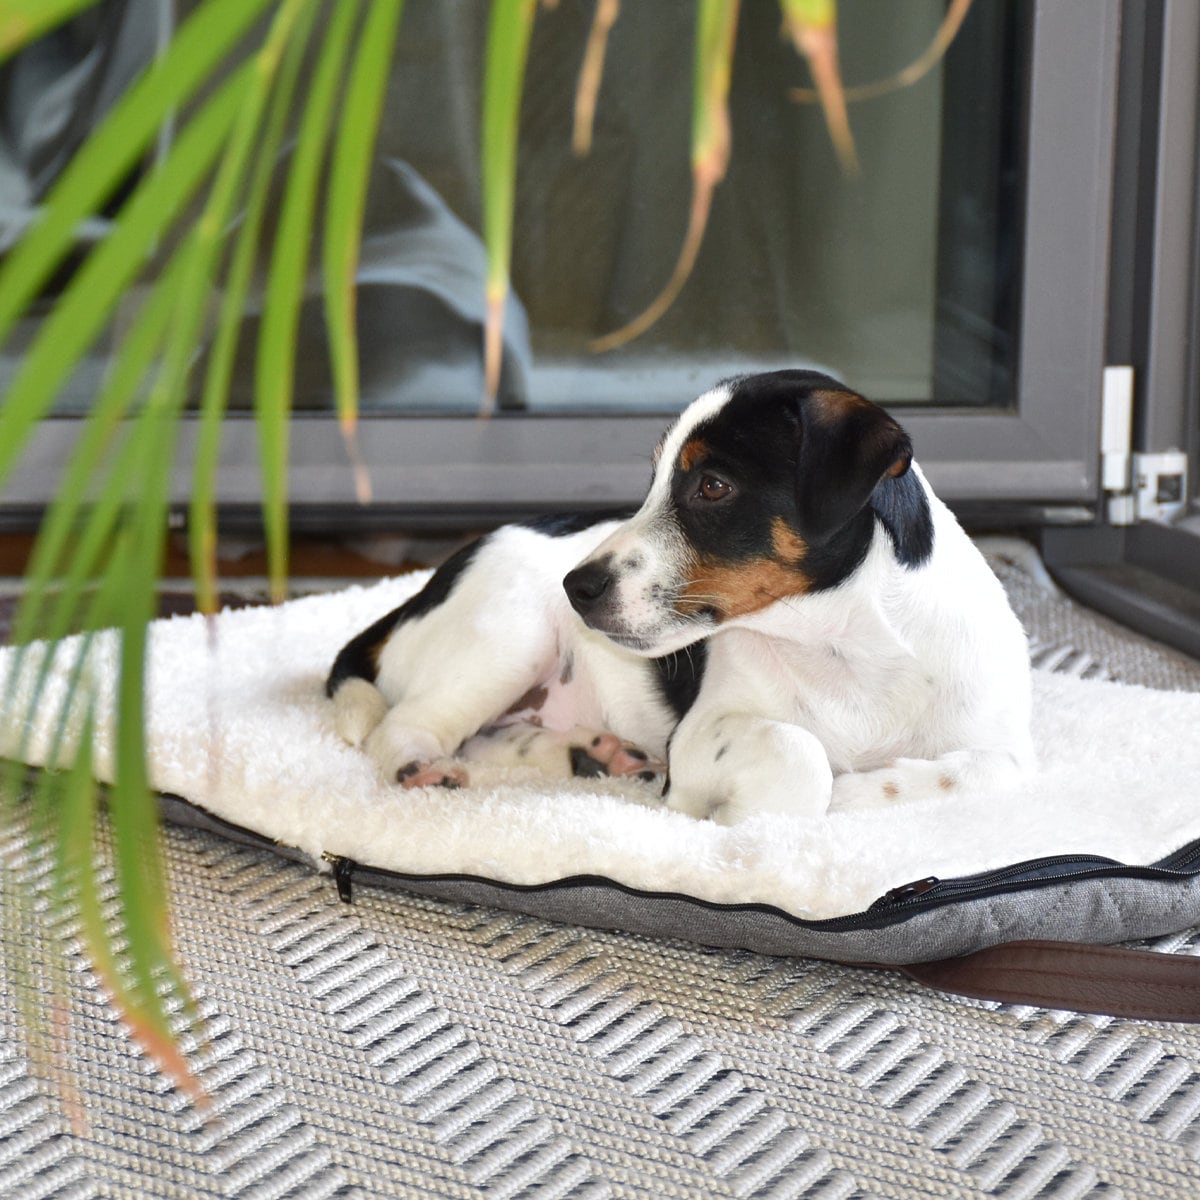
23	20
98	558
178	263
344	208
509	29
218	376
275	362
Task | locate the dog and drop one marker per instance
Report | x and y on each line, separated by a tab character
791	621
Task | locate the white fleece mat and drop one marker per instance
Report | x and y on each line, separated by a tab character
239	724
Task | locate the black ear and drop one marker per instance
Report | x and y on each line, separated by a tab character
847	446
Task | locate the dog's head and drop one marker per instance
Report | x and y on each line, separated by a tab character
760	493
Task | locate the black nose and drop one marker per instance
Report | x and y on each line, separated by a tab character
586	584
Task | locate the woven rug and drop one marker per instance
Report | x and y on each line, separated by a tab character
402	1046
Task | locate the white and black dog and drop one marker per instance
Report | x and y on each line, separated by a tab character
791	612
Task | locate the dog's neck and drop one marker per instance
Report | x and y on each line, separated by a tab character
869	605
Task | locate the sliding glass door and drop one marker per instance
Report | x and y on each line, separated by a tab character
958	276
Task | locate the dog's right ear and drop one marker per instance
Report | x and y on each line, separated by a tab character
847	447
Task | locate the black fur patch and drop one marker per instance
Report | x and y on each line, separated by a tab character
903	510
812	466
359	658
679	677
584	765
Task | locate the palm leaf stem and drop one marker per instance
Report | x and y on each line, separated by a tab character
202	533
509	28
345	205
276	360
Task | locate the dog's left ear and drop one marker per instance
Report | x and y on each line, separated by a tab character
848	446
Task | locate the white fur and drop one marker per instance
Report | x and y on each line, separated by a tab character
898	682
505	628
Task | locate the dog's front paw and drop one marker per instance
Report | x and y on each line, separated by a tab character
443	773
866	789
731	767
907	779
401	750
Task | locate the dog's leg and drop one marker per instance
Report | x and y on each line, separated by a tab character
443	707
406	754
953	774
730	766
562	754
473	645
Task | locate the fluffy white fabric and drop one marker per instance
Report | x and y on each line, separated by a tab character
239	724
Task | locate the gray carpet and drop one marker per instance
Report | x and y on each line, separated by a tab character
406	1047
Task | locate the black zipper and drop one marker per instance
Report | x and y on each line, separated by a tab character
931	892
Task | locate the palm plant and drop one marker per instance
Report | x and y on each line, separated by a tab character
185	239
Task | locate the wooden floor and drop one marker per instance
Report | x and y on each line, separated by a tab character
310	556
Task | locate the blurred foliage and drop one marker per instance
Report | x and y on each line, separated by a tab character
179	256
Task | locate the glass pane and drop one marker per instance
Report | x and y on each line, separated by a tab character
902	281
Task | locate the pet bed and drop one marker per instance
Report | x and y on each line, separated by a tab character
1102	845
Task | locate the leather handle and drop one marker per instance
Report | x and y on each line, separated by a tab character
1108	980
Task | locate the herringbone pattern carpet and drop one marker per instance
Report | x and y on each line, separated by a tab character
406	1047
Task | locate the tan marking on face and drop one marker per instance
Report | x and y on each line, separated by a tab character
788	545
946	783
693	451
891	790
736	589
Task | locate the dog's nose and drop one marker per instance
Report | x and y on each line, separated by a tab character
586	584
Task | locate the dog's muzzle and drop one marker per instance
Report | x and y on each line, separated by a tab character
592	588
616	594
589	588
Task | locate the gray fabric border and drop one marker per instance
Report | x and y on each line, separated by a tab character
1109	909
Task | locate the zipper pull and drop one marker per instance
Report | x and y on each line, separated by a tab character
907	891
343	875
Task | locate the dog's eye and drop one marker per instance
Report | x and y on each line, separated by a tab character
712	488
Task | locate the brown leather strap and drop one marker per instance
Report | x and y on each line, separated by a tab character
1093	979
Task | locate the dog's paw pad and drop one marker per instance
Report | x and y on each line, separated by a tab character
606	754
435	774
